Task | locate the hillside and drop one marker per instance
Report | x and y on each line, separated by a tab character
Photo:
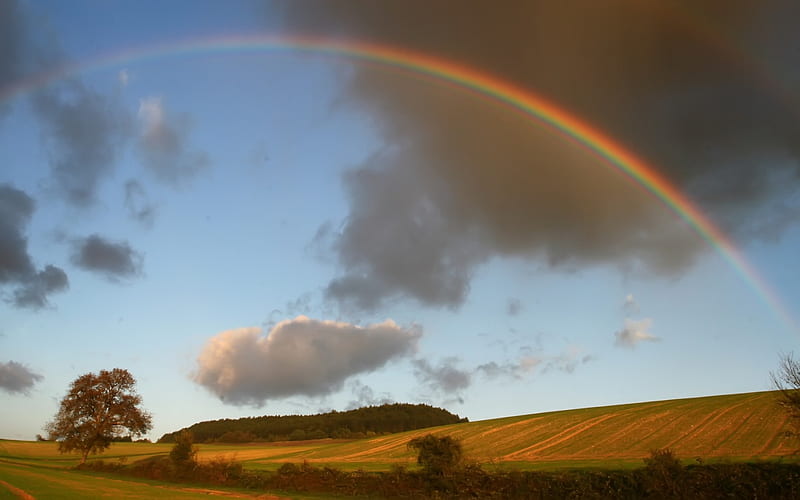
731	426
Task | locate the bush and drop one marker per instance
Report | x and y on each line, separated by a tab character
663	474
438	456
184	451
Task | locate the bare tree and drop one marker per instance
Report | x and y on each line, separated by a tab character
787	381
97	409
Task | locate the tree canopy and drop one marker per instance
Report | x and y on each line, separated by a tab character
97	409
388	418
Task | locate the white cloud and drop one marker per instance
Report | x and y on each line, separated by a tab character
635	331
298	357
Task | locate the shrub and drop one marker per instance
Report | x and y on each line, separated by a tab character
438	456
184	450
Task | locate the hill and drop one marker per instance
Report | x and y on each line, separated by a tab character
359	423
737	426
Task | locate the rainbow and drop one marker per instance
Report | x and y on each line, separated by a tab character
506	93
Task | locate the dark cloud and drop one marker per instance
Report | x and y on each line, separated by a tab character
16	265
85	131
444	377
138	204
15	378
33	293
299	357
162	144
463	179
114	260
16	208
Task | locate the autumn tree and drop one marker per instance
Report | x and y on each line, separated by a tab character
98	408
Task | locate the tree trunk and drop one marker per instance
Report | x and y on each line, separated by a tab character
83	457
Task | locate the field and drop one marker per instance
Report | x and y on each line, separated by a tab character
732	427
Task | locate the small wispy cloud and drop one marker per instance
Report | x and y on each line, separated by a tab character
630	306
514	306
162	145
635	332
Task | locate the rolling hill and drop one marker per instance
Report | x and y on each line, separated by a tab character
737	426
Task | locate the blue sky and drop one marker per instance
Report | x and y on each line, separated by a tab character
278	232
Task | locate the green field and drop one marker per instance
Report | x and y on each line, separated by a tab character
732	427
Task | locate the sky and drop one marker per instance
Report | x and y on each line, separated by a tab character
263	208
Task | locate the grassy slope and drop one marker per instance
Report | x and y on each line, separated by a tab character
731	426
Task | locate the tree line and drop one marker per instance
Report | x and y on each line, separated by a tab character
359	423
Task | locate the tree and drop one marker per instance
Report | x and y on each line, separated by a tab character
97	409
437	455
787	381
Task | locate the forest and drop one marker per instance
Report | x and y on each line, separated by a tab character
352	424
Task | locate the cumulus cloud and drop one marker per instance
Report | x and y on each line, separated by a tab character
15	378
114	260
31	287
462	180
162	144
634	332
298	357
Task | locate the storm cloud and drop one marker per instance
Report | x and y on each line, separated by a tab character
462	179
114	260
298	357
15	378
31	287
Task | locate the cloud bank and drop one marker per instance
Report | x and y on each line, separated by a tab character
298	357
462	180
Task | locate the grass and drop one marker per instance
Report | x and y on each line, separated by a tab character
734	427
737	427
